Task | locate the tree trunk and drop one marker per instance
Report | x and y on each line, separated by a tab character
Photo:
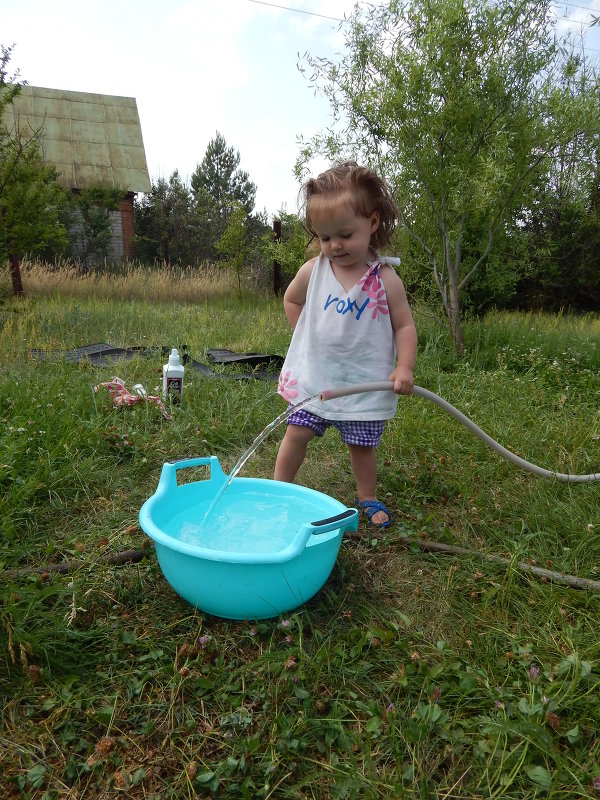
15	275
455	320
452	304
165	251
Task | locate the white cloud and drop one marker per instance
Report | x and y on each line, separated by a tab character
576	19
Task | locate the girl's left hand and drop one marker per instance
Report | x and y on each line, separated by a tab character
403	380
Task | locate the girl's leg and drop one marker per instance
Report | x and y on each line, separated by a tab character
292	451
364	468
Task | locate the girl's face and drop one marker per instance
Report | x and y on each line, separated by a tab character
344	237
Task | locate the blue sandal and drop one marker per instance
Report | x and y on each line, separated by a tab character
371	507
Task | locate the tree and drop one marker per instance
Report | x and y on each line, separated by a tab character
219	178
181	224
164	221
290	250
560	227
233	243
31	199
457	103
176	227
89	221
207	224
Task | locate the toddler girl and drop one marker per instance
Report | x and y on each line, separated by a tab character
351	324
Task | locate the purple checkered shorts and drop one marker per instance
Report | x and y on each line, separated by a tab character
366	433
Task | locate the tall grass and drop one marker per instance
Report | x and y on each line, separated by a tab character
133	281
500	334
410	675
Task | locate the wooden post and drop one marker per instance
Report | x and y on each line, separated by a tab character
15	274
276	264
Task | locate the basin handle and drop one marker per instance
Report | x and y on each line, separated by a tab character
168	476
349	517
309	529
349	512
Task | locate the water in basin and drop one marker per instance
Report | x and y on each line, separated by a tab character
248	522
216	501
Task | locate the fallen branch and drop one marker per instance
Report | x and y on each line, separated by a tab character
524	566
62	567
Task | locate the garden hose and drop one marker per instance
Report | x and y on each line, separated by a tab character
386	386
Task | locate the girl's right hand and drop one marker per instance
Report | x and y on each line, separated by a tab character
403	380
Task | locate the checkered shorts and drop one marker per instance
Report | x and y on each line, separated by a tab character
366	433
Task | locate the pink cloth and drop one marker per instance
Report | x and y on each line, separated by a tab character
123	397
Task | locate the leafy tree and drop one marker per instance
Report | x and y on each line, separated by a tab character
458	103
207	226
562	251
181	224
560	227
290	251
164	221
176	227
233	243
257	225
31	199
219	178
89	221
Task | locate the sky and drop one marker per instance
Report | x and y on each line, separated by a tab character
196	67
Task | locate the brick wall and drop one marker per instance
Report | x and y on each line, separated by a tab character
122	240
127	231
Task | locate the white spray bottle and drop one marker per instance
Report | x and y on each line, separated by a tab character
173	378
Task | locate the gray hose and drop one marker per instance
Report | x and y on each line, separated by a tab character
386	386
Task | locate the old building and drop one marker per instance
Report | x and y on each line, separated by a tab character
91	139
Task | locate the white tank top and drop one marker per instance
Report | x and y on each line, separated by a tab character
340	339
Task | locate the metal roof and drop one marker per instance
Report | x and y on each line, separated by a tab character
91	139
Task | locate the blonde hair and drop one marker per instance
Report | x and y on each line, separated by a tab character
358	188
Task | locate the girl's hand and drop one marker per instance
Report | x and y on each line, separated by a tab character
403	380
295	295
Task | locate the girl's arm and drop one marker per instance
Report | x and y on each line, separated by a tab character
404	329
295	295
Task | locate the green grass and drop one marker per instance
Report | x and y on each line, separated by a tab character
410	675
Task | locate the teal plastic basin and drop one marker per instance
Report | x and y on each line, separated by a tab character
267	546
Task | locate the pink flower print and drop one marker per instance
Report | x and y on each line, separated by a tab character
379	304
371	283
285	385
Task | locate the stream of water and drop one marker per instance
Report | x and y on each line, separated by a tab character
248	453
